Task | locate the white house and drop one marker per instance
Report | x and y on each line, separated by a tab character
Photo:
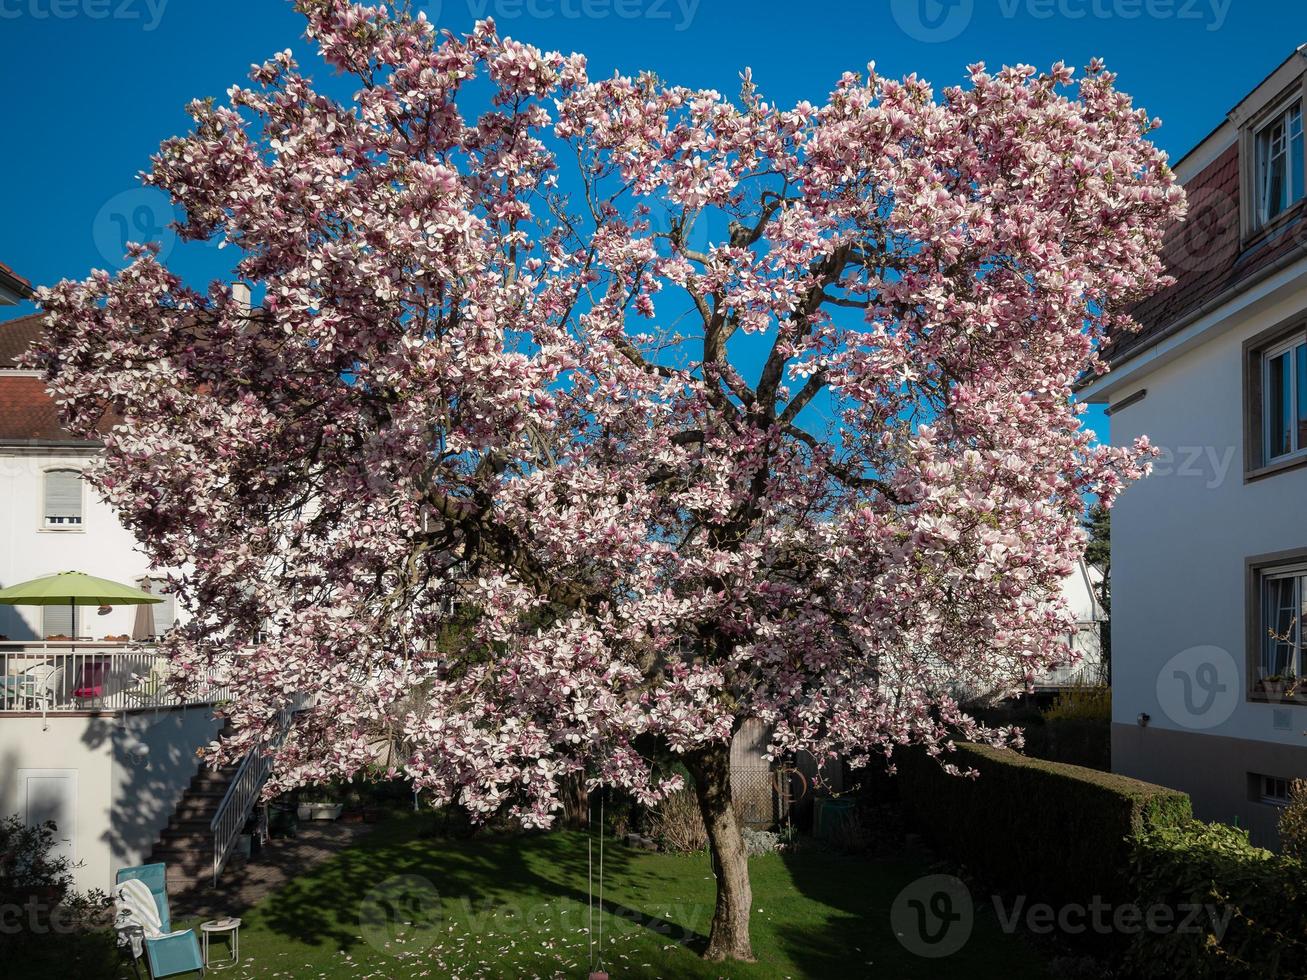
1209	554
89	737
1080	591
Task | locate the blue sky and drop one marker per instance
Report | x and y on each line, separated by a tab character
93	86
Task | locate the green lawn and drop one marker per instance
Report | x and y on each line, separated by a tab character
404	904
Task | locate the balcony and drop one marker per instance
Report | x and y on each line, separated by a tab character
62	676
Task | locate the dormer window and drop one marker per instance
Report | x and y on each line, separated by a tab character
1279	163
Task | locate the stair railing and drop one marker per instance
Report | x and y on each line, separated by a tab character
243	793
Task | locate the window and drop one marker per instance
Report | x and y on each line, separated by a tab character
1284	398
1283	592
1271	789
1279	162
1275	400
63	499
56	621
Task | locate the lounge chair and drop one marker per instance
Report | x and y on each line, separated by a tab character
145	923
91	681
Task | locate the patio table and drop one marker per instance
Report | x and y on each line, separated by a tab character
11	687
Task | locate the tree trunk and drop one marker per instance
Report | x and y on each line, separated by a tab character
729	936
576	803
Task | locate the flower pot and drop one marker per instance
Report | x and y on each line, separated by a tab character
320	811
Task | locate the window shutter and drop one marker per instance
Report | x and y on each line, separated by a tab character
63	498
165	613
56	620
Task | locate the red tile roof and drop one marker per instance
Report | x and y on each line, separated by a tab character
16	335
1205	255
27	412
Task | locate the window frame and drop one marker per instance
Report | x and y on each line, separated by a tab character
1260	570
1265	785
1252	117
43	517
1257	351
1289	345
1277	113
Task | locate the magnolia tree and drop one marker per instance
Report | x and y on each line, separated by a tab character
706	409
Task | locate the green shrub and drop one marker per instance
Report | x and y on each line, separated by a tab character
1053	832
1254	920
677	825
1092	704
1293	822
28	863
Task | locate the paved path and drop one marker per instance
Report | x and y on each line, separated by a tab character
243	883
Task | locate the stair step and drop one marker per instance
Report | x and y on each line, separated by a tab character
194	825
186	842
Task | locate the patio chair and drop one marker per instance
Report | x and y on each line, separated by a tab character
42	685
150	688
145	922
91	681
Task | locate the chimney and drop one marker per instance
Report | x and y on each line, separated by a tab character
240	292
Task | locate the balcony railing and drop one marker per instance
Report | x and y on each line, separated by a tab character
58	676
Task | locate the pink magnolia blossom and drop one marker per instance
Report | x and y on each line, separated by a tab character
689	409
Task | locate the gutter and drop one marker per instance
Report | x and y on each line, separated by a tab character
50	444
14	284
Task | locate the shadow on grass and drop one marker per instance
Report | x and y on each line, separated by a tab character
399	874
859	935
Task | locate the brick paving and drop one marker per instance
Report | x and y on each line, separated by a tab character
245	882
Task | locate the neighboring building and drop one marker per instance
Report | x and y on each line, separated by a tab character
1080	591
13	287
1209	555
89	737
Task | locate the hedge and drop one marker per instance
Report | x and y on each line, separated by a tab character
1054	832
1253	921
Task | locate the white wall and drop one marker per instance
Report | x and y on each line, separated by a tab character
123	799
1181	537
67	743
146	788
101	546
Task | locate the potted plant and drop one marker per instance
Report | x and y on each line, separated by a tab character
321	803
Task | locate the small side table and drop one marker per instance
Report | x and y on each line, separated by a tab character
217	927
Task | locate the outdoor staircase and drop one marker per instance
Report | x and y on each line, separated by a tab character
186	844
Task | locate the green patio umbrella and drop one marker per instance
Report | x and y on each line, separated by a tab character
75	589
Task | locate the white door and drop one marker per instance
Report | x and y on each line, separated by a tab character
51	794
